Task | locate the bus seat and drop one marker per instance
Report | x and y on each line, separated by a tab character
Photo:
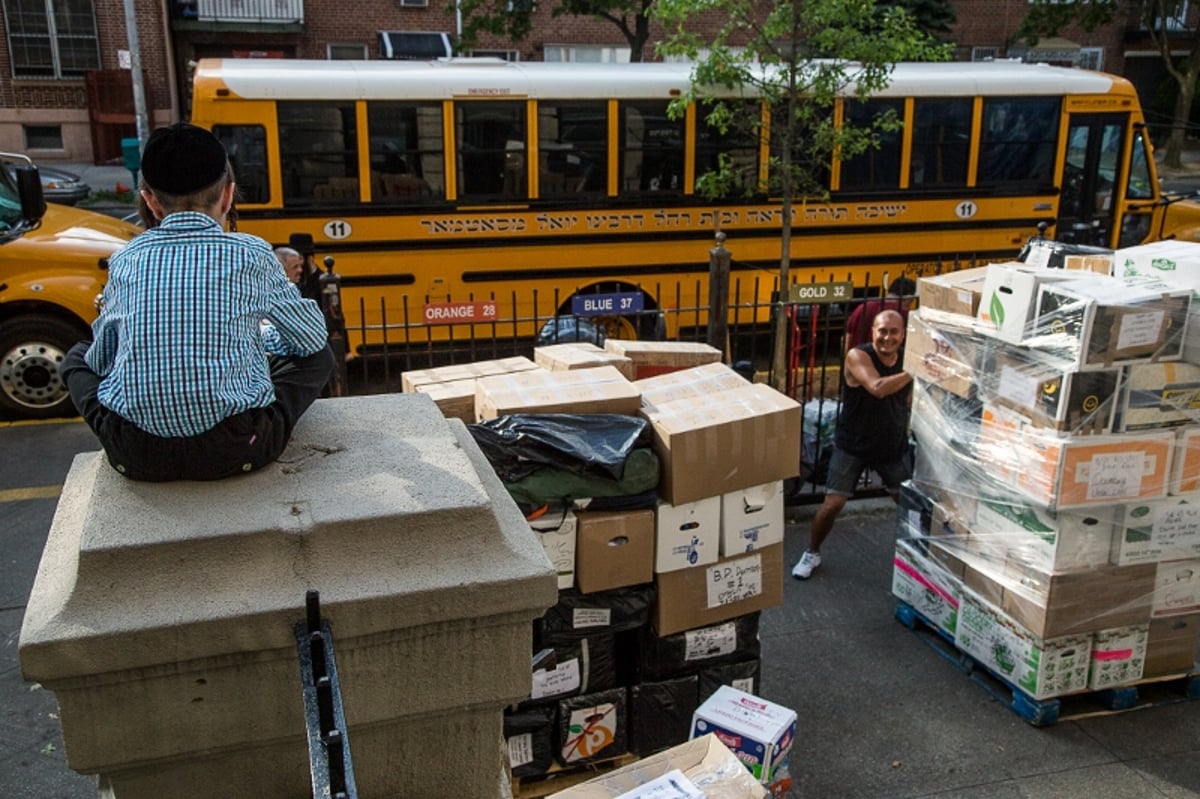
337	188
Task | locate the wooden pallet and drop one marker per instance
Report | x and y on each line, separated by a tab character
1150	692
561	777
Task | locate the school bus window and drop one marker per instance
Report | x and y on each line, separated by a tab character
572	148
491	150
805	134
405	141
1019	139
878	167
318	149
739	143
941	143
651	148
247	148
1139	187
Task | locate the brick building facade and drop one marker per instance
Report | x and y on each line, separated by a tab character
67	96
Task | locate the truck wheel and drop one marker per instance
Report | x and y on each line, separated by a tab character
32	349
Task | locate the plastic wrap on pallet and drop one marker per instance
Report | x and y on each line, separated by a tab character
529	736
661	657
1052	525
579	615
744	675
578	666
660	713
592	727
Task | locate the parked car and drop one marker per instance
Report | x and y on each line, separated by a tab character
59	186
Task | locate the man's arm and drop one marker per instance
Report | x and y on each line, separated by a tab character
860	372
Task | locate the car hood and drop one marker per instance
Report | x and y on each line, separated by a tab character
82	232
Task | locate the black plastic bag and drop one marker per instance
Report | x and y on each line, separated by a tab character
593	443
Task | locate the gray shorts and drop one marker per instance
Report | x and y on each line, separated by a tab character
845	470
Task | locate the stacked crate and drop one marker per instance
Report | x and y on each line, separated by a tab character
1042	529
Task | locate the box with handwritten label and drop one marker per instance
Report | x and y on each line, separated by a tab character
1162	529
731	587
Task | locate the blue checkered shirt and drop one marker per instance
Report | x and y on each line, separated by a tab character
180	343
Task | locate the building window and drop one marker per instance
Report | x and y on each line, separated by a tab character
586	53
1091	58
985	53
51	38
504	55
43	137
346	52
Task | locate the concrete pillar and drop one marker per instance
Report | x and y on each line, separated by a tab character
162	615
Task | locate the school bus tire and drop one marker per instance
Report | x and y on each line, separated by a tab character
32	348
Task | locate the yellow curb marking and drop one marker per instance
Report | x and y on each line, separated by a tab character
34	492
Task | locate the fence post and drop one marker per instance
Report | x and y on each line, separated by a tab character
718	296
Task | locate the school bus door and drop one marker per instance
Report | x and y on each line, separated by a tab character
1093	167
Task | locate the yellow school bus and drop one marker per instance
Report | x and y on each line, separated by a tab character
485	188
52	268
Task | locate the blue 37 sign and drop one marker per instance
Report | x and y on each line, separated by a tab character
607	304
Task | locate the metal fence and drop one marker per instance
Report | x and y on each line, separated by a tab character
401	341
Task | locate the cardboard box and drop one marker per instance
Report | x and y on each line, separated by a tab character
1046	540
1098	264
599	390
1162	529
652	358
956	293
614	549
1055	605
1051	396
1098	322
942	355
1171	646
693	381
736	439
687	535
1173	261
1089	470
1157	395
1176	588
1118	656
1006	309
703	759
580	355
410	380
1042	668
454	398
1185	468
751	518
759	732
558	536
924	584
706	595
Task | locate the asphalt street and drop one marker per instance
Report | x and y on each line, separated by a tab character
881	714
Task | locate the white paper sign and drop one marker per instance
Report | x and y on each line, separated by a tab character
520	749
734	581
1140	329
710	642
1017	387
1116	475
563	679
591	617
672	785
1176	522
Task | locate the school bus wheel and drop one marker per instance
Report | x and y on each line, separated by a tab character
32	349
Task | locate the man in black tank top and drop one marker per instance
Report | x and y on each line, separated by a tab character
872	430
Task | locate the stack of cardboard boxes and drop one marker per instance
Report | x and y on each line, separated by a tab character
1052	527
658	604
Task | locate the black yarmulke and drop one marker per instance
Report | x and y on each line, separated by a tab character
182	158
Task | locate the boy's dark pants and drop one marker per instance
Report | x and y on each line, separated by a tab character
241	443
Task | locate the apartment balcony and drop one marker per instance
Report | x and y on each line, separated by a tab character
263	16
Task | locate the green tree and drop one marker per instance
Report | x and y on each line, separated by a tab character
513	19
798	58
1159	19
935	17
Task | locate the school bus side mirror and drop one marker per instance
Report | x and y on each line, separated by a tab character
29	189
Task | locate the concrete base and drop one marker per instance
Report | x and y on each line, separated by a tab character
162	615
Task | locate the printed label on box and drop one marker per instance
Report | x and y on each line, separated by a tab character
590	730
563	679
591	617
520	749
734	581
710	642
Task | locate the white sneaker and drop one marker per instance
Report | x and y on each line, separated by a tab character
804	567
